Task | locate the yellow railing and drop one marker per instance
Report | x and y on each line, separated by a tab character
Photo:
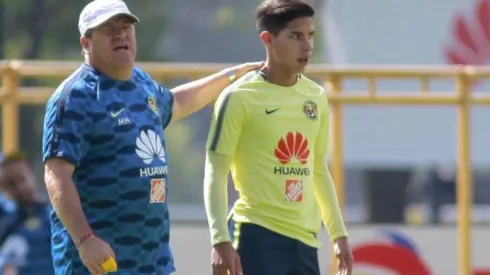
12	95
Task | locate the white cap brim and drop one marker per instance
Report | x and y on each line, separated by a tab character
106	17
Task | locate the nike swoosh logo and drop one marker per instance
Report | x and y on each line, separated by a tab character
268	112
116	114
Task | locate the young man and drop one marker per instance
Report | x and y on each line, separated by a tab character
25	230
271	127
104	151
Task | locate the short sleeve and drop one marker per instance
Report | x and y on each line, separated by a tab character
67	124
166	105
322	141
227	121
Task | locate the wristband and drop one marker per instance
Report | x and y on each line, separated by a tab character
231	75
83	239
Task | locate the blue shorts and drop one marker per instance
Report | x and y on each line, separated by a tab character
264	252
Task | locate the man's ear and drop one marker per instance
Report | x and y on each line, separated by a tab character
84	43
265	36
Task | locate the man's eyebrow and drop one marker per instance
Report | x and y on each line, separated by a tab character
298	32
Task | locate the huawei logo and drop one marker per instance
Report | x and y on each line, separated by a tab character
293	147
471	37
149	147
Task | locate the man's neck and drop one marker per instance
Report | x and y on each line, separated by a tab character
117	74
279	75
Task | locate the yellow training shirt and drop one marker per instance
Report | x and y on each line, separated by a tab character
277	141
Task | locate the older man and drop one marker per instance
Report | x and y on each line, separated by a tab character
104	151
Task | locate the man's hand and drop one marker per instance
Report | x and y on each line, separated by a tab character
10	270
244	68
93	252
344	256
225	260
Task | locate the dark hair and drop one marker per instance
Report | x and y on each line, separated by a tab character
13	157
274	15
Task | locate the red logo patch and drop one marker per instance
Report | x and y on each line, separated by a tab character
158	192
293	190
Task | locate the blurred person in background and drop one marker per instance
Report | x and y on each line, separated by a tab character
6	205
271	128
25	229
105	154
440	190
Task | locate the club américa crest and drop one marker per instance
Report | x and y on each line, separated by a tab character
310	110
152	103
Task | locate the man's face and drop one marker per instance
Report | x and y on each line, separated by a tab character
17	181
114	42
292	47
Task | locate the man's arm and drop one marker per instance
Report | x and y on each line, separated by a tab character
216	195
226	126
324	186
64	197
327	199
192	96
67	128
